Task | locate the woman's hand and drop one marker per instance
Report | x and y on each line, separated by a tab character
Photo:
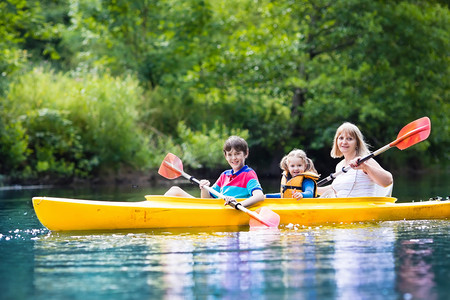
379	175
354	163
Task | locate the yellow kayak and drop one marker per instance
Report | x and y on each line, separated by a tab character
60	214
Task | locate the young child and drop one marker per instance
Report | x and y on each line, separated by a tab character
299	178
240	181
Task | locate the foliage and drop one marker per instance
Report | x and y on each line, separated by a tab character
55	145
141	78
389	75
13	145
26	34
76	127
197	149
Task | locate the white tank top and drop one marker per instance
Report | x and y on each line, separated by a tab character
354	183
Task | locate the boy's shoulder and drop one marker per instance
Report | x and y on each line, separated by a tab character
245	171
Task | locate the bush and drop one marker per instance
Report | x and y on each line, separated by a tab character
75	126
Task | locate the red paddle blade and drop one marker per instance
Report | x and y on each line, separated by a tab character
270	218
413	133
171	167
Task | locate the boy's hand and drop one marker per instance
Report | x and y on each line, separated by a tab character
204	183
229	199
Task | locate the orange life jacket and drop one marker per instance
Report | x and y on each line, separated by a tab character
289	184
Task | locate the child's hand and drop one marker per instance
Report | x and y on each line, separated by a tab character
297	195
229	199
204	183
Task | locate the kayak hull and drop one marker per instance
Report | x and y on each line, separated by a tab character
61	214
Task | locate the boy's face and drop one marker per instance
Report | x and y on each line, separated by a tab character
236	159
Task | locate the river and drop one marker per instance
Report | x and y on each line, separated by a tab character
384	260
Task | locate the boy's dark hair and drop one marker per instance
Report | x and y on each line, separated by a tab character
237	143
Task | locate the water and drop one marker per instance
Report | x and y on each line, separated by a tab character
385	260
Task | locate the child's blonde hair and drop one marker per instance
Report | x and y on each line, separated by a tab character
297	153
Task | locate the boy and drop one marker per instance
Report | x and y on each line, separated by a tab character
240	181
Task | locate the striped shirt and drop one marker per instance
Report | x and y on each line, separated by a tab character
238	185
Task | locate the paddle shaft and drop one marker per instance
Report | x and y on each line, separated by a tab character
373	154
345	169
235	205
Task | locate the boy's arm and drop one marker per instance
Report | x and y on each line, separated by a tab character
254	186
257	195
204	193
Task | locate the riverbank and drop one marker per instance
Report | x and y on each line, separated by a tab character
436	182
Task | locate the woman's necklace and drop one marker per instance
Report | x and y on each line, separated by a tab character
346	164
354	183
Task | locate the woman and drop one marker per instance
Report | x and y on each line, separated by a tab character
366	179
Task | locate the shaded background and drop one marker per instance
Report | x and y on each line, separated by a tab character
100	91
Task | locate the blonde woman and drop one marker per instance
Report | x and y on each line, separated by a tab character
365	179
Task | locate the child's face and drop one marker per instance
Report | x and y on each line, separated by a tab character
295	166
236	159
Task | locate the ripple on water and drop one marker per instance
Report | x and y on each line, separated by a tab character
23	234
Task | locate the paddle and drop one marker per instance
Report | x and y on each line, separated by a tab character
172	168
411	134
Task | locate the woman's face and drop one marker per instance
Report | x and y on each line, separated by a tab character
346	144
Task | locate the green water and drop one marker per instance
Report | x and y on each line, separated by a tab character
386	260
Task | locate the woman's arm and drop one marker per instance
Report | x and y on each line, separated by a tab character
321	190
373	169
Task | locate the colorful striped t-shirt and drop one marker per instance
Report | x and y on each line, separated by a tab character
238	185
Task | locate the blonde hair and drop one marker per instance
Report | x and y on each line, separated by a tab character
297	153
361	147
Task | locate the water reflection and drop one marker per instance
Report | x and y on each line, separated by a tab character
364	261
371	261
173	266
416	278
223	264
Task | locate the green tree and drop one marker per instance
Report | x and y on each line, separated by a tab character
285	72
383	67
66	126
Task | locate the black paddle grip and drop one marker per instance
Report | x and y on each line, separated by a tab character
235	204
193	180
361	160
